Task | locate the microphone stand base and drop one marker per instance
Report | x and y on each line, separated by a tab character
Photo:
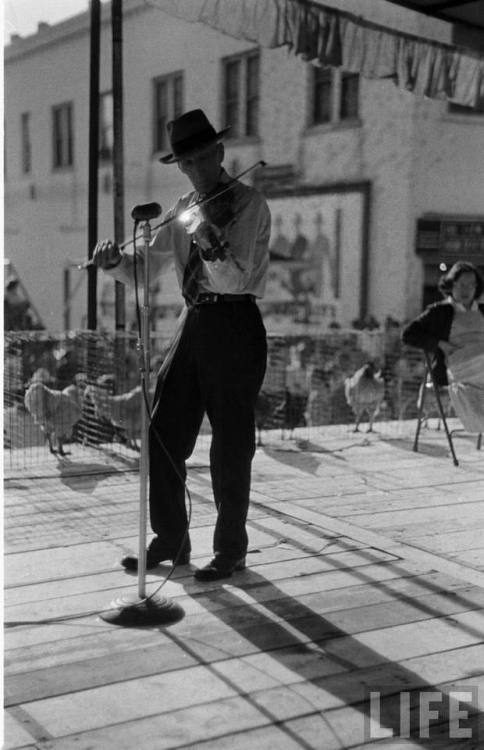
131	611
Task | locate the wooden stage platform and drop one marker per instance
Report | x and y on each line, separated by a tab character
366	575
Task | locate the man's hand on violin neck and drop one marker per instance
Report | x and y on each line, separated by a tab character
106	255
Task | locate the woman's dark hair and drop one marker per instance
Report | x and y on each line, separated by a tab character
462	266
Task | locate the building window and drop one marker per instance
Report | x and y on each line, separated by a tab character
106	126
168	104
322	95
26	143
63	139
252	96
334	96
348	104
241	94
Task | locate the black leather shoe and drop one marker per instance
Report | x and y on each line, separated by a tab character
153	558
219	568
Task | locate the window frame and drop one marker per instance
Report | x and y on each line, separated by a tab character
175	87
63	146
241	107
335	80
348	78
26	142
321	79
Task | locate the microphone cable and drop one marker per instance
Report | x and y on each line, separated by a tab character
147	406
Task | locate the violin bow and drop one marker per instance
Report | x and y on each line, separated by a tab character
200	202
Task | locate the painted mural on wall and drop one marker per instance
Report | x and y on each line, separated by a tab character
316	255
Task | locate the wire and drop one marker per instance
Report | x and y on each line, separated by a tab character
147	406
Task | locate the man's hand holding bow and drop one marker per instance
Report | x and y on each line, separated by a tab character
107	255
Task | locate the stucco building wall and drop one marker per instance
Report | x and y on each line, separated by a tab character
416	156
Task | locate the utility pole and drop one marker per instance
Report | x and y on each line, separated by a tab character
118	149
92	211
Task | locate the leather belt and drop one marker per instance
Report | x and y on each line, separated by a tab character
211	298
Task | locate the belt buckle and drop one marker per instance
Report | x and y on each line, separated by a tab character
207	298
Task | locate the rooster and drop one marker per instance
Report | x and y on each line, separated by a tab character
55	411
123	410
364	391
292	411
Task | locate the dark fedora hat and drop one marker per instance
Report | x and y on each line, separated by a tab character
189	132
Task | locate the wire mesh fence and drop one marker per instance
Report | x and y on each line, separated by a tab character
82	388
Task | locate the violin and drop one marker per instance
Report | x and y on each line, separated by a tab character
206	223
224	217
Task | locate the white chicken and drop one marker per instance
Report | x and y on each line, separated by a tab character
364	392
122	410
55	411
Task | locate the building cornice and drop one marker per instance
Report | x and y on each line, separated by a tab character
49	35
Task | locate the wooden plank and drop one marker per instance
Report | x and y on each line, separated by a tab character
232	723
304	617
164	693
473	557
339	593
87	673
296	707
378	501
406	641
15	734
48	633
409	521
414	553
450	542
95	602
106	581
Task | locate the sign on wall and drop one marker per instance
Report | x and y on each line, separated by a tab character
318	246
450	239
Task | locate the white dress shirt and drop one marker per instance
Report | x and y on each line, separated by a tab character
244	269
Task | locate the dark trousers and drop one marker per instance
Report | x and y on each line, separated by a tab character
218	368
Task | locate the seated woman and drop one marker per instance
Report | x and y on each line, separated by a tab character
453	332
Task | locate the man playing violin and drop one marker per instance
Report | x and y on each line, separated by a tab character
217	360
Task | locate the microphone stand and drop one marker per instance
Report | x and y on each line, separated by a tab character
144	359
143	610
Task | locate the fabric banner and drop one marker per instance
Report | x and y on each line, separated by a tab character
327	36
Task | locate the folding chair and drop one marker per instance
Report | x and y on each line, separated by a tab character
437	392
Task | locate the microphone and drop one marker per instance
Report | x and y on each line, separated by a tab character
146	211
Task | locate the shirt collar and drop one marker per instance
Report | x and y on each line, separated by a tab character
459	306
